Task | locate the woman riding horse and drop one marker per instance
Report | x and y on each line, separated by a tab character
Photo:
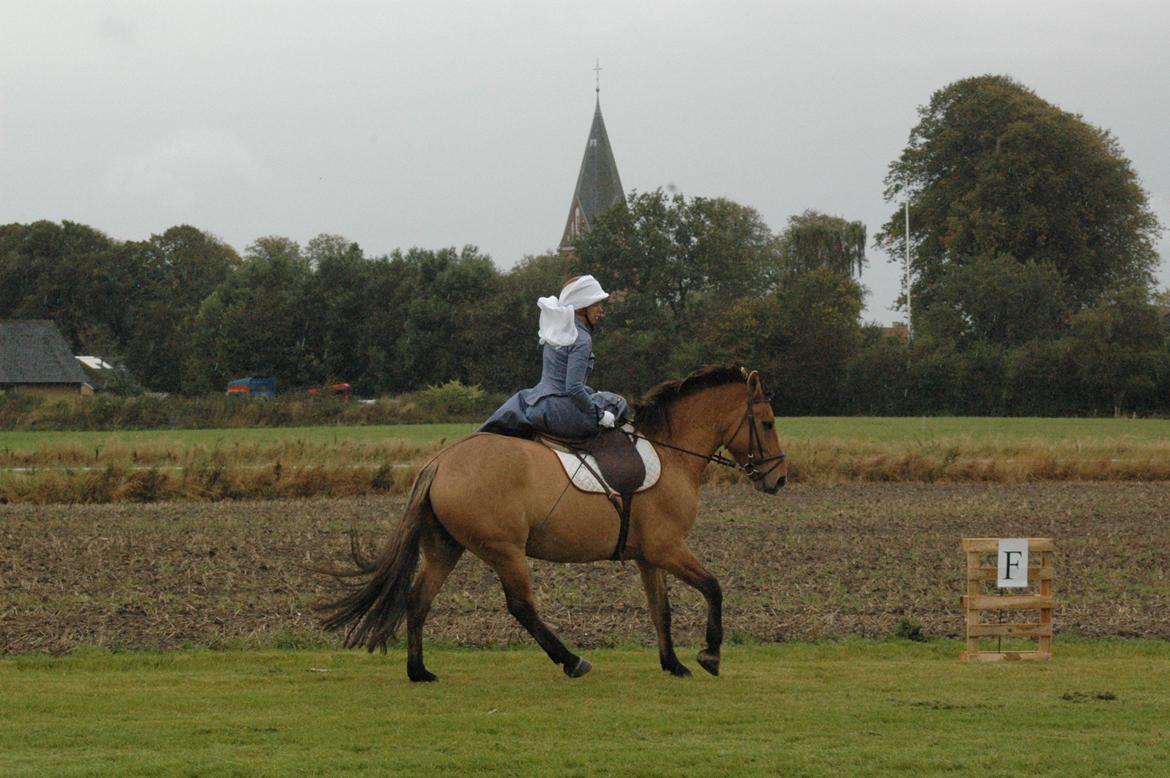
562	404
505	499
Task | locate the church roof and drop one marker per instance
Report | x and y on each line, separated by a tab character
599	187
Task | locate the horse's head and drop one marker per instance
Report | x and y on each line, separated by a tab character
755	445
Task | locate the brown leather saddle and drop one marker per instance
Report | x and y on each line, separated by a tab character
622	471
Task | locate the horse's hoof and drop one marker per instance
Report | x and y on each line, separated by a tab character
423	676
679	670
709	661
583	666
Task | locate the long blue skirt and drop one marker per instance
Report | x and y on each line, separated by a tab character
552	415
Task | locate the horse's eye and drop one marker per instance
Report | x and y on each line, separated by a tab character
769	425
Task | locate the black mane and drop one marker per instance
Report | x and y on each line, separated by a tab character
652	412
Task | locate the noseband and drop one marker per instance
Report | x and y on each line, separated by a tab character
755	458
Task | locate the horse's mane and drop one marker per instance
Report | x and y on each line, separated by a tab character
652	412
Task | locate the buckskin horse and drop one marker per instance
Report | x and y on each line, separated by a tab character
505	499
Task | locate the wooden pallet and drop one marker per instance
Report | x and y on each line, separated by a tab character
981	553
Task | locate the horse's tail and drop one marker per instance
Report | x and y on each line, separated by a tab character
372	610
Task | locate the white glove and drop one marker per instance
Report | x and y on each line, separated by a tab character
607	420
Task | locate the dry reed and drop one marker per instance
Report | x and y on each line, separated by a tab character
296	468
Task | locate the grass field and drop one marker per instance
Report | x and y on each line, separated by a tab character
267	463
815	562
855	708
227	438
869	429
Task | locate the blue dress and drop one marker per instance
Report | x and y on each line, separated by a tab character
561	404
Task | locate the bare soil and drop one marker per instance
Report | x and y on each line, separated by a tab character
814	562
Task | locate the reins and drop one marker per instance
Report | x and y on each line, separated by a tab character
752	467
756	458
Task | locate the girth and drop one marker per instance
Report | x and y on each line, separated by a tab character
621	472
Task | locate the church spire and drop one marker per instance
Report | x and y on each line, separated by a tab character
599	187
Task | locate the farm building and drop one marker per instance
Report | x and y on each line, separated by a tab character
35	359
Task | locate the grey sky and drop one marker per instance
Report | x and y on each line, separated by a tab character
446	123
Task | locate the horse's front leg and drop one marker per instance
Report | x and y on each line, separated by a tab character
682	563
654	581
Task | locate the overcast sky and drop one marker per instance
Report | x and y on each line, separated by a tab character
436	123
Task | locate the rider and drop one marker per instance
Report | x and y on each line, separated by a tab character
561	404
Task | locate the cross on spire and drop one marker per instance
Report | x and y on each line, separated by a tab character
597	77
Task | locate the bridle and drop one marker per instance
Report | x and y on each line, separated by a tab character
756	458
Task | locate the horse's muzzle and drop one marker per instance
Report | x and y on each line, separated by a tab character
777	486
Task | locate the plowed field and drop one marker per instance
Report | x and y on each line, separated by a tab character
814	562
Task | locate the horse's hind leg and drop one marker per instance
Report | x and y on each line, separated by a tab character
682	563
654	581
512	569
440	553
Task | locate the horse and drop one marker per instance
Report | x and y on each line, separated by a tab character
506	499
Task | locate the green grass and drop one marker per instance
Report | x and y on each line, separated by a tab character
928	428
413	433
855	708
873	429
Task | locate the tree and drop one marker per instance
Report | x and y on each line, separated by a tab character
256	322
800	338
676	262
340	302
439	300
175	272
505	344
1119	345
672	251
822	325
69	273
814	239
997	300
991	169
875	375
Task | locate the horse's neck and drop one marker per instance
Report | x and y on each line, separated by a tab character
699	424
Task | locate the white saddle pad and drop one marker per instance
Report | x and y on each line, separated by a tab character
584	480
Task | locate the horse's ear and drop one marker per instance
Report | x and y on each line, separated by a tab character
754	382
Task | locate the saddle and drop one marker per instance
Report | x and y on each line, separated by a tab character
613	463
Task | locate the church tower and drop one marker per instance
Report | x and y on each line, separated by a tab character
599	187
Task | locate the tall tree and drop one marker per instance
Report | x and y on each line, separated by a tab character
1119	345
814	239
998	300
177	270
256	322
676	262
340	300
673	252
505	344
800	337
992	169
445	292
69	273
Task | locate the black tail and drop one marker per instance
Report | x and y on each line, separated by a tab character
372	611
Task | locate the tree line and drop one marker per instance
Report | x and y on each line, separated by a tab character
1032	246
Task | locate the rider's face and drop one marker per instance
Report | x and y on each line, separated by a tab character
594	313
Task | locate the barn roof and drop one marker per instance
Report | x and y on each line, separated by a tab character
34	352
